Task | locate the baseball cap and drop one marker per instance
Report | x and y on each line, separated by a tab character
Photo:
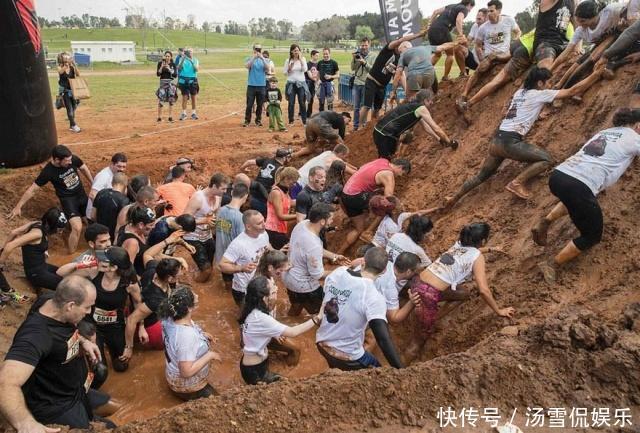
114	255
257	47
185	160
283	153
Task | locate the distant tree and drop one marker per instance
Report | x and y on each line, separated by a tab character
135	21
285	28
254	27
86	20
169	23
333	29
243	30
309	31
526	20
191	22
363	32
115	22
42	22
373	20
466	27
206	27
218	29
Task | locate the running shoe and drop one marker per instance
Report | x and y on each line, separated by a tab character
159	119
170	119
283	129
183	116
245	124
258	123
194	116
75	128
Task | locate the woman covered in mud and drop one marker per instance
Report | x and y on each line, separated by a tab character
115	280
33	239
187	347
439	281
259	327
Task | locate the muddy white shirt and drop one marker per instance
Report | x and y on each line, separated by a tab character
608	18
455	266
633	10
390	287
244	250
401	243
387	228
525	108
357	302
184	343
601	162
257	331
305	257
103	180
496	38
318	161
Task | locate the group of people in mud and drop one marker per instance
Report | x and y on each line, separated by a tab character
129	289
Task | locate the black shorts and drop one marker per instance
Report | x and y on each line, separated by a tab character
355	205
439	35
470	61
227	277
277	239
373	95
238	297
75	206
204	253
366	361
205	392
545	50
189	86
254	374
311	301
582	205
387	146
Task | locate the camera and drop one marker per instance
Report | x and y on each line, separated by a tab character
357	54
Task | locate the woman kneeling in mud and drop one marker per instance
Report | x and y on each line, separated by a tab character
438	282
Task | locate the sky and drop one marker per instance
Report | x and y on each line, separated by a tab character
297	11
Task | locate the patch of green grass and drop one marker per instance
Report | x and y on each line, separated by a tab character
4	171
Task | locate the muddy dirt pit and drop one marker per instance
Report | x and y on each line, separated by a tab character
572	344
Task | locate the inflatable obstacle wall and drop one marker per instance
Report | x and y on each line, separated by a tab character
27	126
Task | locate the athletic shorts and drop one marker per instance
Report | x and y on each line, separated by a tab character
520	60
548	51
355	205
75	206
205	392
205	251
156	342
387	146
254	374
189	86
277	239
311	301
227	278
238	297
373	95
470	61
417	81
317	128
439	35
584	209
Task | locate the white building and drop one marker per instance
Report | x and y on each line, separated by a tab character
106	51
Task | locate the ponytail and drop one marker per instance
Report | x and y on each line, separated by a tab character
626	116
257	290
473	235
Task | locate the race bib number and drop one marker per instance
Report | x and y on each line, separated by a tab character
88	381
73	347
103	317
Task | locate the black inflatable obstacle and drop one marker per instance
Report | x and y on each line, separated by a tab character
27	125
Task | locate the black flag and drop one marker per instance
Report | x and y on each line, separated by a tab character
401	18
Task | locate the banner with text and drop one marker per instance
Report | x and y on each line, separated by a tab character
401	18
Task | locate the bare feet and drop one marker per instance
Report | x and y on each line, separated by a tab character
518	189
539	232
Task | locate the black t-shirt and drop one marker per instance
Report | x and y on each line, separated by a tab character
66	181
336	120
552	25
328	67
307	198
108	204
450	14
310	65
395	122
378	71
34	256
164	74
153	296
274	96
53	348
109	307
63	79
267	173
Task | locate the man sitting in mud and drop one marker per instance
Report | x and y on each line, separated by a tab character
326	126
508	142
387	132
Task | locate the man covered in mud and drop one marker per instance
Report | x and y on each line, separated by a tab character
327	126
508	142
387	132
351	304
46	373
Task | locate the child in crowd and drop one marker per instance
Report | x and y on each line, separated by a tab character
274	96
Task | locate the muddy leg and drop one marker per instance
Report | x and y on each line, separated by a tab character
488	169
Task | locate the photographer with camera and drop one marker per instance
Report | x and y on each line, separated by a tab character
361	64
256	82
167	92
67	69
188	82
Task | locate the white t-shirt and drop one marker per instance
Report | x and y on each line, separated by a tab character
455	266
257	330
400	243
471	37
633	10
608	19
297	73
387	228
184	343
101	181
244	250
389	287
318	161
496	38
358	302
601	162
525	108
305	257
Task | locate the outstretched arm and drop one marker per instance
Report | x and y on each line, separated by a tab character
395	44
480	275
582	86
431	126
28	194
383	338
